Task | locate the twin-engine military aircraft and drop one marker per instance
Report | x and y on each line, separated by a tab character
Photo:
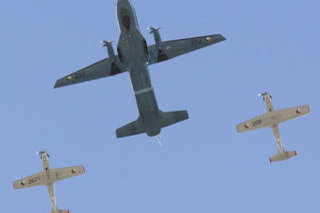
272	119
134	56
48	177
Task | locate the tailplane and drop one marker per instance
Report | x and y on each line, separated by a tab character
152	124
169	118
133	128
61	211
282	156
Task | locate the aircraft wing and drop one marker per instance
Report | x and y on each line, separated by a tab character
170	49
174	48
67	172
30	181
255	123
100	69
290	113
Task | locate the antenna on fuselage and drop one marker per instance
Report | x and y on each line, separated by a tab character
159	139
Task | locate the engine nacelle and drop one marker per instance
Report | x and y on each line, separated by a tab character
108	45
114	69
162	56
157	37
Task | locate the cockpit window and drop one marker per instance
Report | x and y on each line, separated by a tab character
126	22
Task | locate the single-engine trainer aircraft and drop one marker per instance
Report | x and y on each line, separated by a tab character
272	119
134	56
48	177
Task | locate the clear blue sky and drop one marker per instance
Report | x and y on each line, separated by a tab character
204	165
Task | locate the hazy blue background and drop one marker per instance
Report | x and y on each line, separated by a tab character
204	165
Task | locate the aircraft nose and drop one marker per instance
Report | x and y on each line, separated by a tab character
122	2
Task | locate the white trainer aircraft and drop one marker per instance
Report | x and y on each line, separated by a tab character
48	177
272	119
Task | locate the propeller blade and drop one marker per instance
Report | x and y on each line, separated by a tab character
152	29
105	42
40	152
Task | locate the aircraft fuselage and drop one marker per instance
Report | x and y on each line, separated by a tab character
133	52
49	185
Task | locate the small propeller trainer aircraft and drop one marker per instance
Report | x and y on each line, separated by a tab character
272	119
48	177
134	55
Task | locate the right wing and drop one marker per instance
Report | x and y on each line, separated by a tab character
67	172
290	113
97	70
174	48
30	181
255	123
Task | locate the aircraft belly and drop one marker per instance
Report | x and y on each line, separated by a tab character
50	188
144	93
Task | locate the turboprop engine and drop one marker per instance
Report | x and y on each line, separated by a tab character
114	69
157	37
162	56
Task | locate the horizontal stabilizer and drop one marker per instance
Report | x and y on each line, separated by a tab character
133	128
60	211
169	118
160	119
282	156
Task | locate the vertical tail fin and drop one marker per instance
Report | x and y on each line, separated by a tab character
282	156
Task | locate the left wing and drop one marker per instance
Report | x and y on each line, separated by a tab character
30	181
63	173
100	69
258	122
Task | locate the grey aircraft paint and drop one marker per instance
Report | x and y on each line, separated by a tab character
134	56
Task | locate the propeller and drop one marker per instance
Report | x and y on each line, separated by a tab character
40	152
152	29
262	94
105	43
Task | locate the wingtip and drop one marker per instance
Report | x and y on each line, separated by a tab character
56	84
